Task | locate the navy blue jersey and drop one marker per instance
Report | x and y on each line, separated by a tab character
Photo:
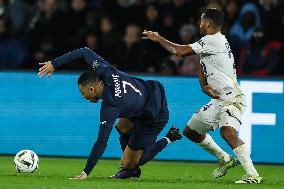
123	96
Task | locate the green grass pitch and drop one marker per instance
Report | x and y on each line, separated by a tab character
53	173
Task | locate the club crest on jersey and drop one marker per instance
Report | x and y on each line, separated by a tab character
117	88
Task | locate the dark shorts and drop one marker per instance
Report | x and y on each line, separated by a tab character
147	129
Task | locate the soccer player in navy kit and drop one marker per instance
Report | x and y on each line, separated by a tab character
141	103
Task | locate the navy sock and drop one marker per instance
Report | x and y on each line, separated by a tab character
123	138
149	154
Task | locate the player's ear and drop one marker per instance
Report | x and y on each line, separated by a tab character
92	89
208	24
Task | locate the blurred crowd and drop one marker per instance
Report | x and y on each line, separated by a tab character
33	31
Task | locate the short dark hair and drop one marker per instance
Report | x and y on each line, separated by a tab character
88	78
216	15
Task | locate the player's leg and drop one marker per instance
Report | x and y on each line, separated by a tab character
124	128
130	158
203	121
131	154
140	145
144	137
156	147
152	129
133	157
196	131
129	161
230	123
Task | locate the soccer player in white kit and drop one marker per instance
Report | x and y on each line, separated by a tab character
218	79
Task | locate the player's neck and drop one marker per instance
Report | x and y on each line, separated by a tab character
212	31
101	89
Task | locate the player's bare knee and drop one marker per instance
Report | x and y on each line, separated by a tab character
186	131
192	135
124	125
121	129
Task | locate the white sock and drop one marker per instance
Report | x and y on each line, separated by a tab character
245	160
168	140
211	147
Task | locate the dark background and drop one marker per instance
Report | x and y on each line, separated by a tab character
34	31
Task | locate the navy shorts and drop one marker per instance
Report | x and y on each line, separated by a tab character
147	129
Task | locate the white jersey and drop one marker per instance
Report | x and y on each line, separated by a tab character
218	64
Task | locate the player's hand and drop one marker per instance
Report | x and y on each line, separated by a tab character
154	36
45	69
209	91
81	176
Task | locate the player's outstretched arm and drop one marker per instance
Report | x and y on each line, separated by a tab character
93	59
179	50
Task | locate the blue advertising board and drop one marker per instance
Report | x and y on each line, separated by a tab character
49	116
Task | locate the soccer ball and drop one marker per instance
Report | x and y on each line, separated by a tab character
26	161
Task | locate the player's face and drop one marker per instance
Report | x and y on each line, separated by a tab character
89	93
203	26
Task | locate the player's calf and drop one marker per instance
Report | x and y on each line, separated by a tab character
130	158
229	134
239	148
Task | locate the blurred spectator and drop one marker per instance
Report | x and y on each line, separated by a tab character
244	27
93	20
169	29
152	18
92	41
168	68
110	41
214	4
188	34
91	30
12	53
184	11
259	57
45	31
2	7
272	18
20	13
74	22
242	30
231	13
189	66
132	56
154	53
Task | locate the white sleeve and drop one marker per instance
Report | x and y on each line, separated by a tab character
202	47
